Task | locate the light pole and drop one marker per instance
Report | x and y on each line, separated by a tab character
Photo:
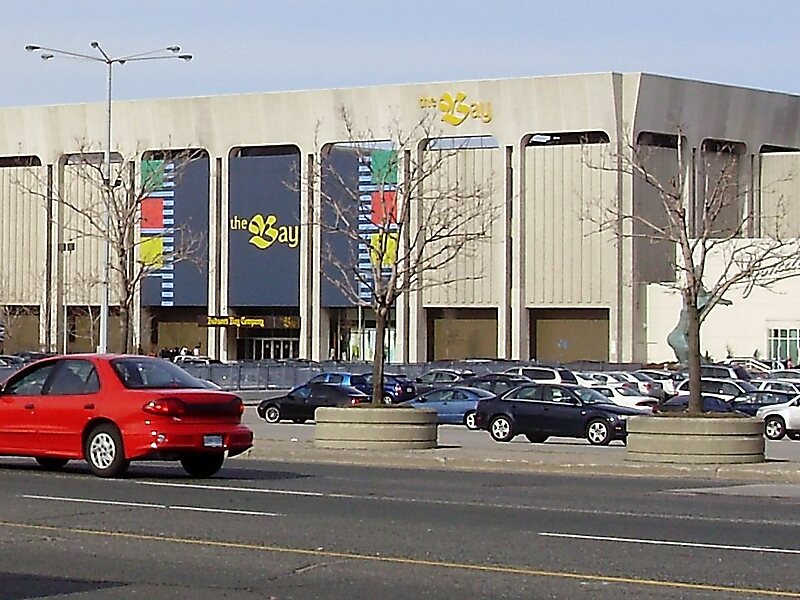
103	57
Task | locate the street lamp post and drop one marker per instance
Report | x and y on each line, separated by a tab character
103	57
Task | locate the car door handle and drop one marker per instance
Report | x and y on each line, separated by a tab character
89	406
29	406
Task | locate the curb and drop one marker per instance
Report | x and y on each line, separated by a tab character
459	459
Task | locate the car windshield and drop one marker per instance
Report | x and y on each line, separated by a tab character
152	373
589	396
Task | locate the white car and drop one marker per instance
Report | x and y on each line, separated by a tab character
647	386
790	374
665	378
723	389
777	385
626	396
781	419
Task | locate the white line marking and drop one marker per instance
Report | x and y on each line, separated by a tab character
483	505
228	511
92	501
230	488
160	506
602	538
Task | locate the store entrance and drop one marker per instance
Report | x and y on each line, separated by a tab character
258	348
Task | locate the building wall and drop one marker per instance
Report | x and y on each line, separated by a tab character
554	259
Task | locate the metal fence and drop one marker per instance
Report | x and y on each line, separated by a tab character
265	375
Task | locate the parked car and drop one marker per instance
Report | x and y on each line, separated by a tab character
439	377
680	403
626	396
544	374
193	359
786	374
645	384
497	383
397	387
12	360
541	410
777	385
668	379
299	404
111	410
725	372
781	419
724	389
454	405
750	402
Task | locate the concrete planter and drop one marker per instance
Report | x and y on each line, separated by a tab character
695	440
375	428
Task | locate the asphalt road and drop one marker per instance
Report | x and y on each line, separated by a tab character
268	531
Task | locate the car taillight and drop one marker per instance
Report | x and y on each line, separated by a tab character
355	400
398	389
166	407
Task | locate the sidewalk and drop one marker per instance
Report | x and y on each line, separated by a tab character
566	459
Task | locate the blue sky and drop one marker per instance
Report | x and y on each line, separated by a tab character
255	46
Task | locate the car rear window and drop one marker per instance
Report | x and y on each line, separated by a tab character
152	373
567	376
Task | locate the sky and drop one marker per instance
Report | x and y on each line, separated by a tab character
244	46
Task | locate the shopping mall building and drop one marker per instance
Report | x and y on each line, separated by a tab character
550	284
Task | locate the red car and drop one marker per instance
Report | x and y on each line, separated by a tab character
112	409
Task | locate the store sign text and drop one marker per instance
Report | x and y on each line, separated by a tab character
763	277
456	109
266	231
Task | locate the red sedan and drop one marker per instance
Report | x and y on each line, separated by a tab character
112	409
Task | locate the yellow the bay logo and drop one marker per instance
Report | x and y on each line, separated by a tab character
455	108
266	231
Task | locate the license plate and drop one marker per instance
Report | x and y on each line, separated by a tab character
409	390
212	441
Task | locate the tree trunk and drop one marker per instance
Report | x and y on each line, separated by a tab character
381	315
693	342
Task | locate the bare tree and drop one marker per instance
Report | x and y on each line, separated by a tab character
113	212
700	214
408	231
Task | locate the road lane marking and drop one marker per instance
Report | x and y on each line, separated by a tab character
94	501
159	506
481	505
500	569
227	511
650	542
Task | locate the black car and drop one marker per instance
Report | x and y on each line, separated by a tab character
497	383
440	377
681	404
301	402
397	387
539	410
750	402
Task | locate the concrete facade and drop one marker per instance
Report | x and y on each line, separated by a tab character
550	283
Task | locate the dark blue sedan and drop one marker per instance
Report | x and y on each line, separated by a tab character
454	405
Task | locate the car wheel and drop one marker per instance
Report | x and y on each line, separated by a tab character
202	465
501	429
272	414
598	433
104	451
387	399
299	421
774	427
536	439
469	420
51	464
